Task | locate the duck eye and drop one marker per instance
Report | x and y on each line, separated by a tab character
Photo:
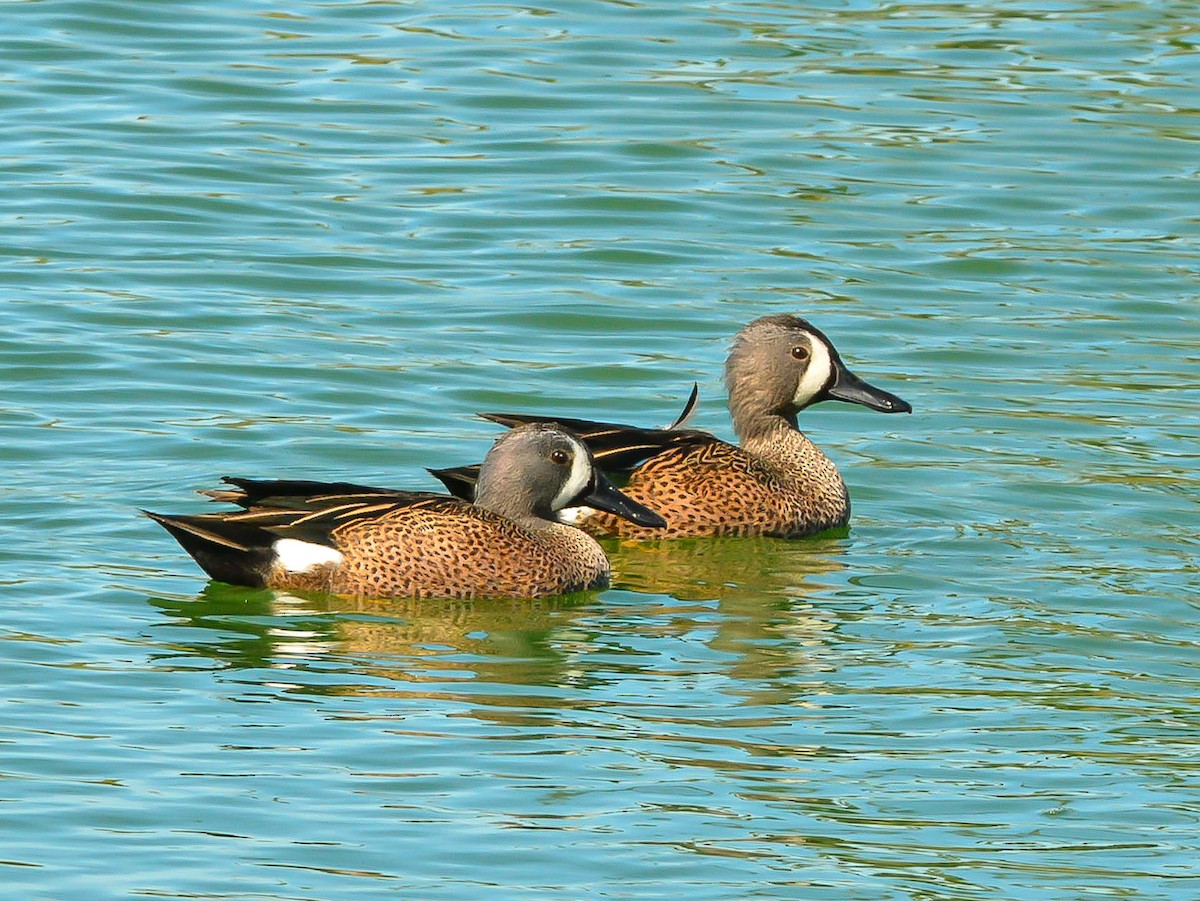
799	352
559	456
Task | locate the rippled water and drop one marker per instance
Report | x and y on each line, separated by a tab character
312	239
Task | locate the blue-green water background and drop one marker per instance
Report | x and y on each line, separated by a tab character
310	239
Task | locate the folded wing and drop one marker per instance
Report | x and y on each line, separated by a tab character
618	448
241	547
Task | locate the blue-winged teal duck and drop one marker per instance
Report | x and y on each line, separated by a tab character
355	540
777	483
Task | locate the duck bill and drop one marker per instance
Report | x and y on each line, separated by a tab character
605	496
853	390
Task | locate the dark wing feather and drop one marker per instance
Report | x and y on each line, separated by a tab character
311	511
688	409
237	547
459	480
319	519
617	448
291	493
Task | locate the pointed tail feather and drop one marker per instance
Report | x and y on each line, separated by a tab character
688	409
232	552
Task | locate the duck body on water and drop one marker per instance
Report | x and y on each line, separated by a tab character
357	540
776	482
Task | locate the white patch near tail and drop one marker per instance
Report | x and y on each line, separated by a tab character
581	474
816	374
300	556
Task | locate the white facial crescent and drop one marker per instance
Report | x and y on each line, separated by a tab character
581	474
816	376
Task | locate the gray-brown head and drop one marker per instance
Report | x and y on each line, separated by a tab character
535	470
778	365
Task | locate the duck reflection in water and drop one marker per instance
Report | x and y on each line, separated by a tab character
744	598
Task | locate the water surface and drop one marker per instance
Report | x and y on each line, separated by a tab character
312	239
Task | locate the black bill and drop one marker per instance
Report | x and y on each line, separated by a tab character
603	495
853	390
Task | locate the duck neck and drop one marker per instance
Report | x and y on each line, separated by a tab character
800	465
776	439
758	424
517	506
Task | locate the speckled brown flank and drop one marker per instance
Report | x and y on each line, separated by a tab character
452	550
781	486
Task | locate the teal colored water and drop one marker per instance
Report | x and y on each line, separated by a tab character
310	239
